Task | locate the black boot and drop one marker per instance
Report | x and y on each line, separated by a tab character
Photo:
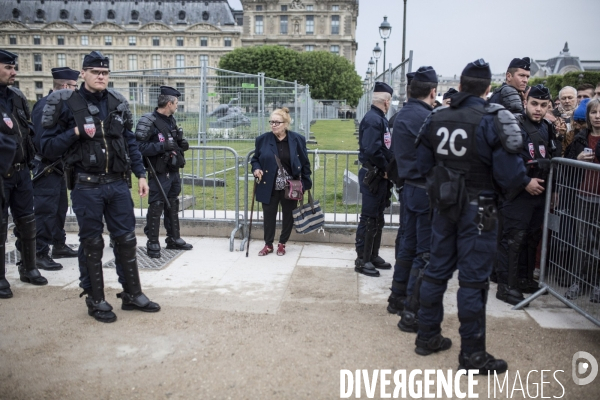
44	261
152	228
132	296
376	260
509	295
63	251
528	286
408	321
174	241
437	343
364	265
27	266
482	361
397	298
97	306
5	292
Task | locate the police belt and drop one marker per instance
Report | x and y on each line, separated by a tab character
98	179
19	167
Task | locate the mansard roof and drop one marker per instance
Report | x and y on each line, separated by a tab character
141	12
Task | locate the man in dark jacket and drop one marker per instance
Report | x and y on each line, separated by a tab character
512	92
49	186
375	155
162	142
414	250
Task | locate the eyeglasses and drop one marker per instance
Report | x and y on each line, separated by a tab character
68	85
275	123
97	72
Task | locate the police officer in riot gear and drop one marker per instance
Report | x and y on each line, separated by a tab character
7	152
523	209
375	154
49	186
90	128
462	149
162	142
18	191
512	92
414	250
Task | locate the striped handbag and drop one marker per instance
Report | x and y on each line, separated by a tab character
308	217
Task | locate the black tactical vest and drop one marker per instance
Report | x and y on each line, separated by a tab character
106	151
15	123
453	137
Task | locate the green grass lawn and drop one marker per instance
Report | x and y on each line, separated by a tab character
219	164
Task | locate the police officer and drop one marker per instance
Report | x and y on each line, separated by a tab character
18	190
414	250
162	142
447	98
7	152
461	148
523	210
512	92
90	128
375	154
49	187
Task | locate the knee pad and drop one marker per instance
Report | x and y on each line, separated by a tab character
126	241
26	226
93	243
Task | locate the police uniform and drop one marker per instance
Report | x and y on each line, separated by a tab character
461	148
18	190
507	95
414	249
162	143
7	152
401	271
49	191
522	212
98	161
375	155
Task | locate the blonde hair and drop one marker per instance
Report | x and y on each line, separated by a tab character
284	113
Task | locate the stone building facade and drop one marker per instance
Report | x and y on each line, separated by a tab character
306	25
167	37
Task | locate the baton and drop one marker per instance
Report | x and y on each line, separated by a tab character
251	213
160	188
48	168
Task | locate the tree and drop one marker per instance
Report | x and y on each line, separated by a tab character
557	82
329	76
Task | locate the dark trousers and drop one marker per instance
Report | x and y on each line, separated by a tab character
171	184
51	204
457	246
401	269
18	192
417	231
92	202
270	217
525	213
373	206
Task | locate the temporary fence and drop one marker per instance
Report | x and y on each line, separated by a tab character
570	256
217	106
396	78
331	109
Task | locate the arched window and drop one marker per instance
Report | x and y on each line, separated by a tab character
205	15
135	15
40	14
87	14
111	14
16	13
181	15
158	15
64	14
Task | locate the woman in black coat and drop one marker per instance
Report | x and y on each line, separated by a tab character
291	149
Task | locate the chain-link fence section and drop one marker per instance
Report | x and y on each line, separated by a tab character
570	257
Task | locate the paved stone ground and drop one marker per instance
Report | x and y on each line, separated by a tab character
257	328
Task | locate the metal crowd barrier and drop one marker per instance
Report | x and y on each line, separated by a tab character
570	258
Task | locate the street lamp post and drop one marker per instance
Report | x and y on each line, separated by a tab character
371	65
385	30
376	55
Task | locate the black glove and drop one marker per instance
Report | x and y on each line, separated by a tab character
183	145
168	145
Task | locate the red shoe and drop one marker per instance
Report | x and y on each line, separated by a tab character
266	250
281	249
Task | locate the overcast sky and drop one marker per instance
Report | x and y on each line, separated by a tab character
447	34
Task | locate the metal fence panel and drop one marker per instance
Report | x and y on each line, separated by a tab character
571	240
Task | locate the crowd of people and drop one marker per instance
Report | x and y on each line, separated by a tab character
472	175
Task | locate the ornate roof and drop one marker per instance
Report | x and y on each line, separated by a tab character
76	12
